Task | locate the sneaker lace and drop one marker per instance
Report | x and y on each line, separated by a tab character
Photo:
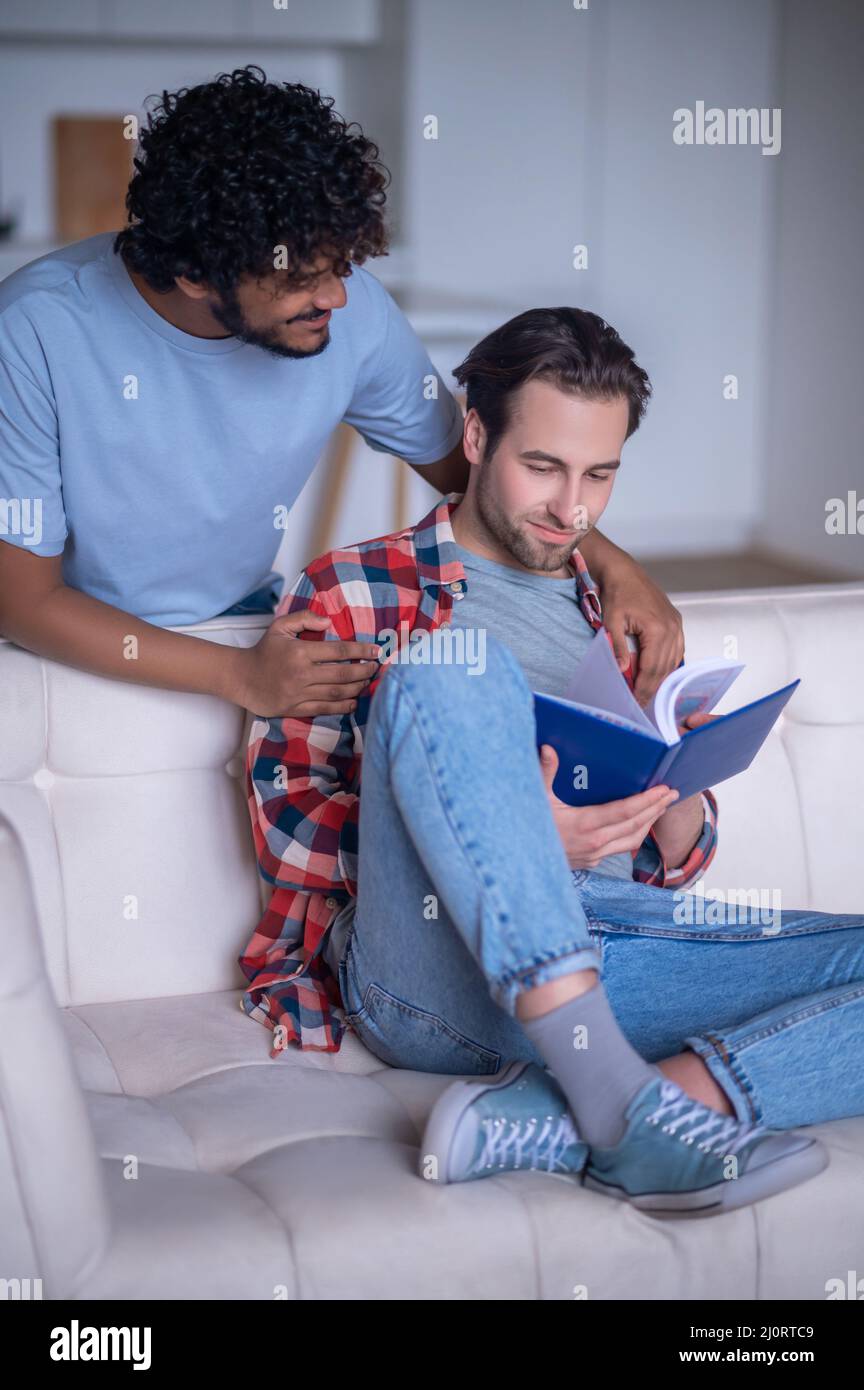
507	1143
695	1119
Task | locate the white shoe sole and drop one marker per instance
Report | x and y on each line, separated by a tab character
446	1114
763	1182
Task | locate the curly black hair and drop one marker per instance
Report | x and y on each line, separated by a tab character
230	170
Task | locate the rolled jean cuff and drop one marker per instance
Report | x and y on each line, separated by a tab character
729	1075
540	970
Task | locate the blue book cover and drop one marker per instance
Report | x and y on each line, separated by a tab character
605	754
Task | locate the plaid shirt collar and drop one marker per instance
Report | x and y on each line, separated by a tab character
438	562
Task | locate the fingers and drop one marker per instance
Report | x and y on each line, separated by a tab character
628	835
659	653
345	651
323	694
342	650
548	765
654	801
309	709
343	672
617	631
693	721
299	622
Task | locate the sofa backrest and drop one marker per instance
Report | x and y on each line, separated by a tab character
129	801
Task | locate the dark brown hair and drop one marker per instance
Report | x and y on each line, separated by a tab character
573	349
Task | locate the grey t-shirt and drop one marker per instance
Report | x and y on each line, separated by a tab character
540	620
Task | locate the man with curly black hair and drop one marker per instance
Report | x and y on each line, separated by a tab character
166	392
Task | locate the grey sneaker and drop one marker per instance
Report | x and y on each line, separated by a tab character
679	1158
518	1121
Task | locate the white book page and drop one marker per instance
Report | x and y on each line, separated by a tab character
692	689
599	684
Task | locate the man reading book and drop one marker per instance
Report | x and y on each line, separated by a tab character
461	918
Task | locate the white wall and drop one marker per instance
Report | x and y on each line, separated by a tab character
812	443
555	127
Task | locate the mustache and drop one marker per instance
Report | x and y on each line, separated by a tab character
551	526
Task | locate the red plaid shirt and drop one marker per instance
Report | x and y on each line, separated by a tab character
303	775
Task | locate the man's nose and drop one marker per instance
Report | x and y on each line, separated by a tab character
566	507
331	295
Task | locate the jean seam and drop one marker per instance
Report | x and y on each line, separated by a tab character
801	1016
712	1045
545	958
425	1015
677	934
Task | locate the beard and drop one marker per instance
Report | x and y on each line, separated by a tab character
228	312
529	553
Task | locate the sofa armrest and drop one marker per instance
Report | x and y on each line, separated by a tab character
54	1225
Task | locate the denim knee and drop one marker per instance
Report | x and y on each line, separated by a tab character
462	691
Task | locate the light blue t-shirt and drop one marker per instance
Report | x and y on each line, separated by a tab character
160	461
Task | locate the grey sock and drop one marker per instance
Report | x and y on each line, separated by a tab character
593	1063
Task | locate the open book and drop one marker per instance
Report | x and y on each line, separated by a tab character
609	747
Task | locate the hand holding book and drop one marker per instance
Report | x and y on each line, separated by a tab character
590	833
609	748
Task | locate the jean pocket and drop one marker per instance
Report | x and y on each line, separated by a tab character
413	1039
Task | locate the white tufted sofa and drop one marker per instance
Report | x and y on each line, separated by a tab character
128	887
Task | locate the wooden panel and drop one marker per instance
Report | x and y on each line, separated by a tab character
92	169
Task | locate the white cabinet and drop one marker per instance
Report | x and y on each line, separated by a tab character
207	21
50	17
314	21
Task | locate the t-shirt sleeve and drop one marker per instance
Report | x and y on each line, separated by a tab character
400	404
31	497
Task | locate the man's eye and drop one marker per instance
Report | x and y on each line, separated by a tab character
534	469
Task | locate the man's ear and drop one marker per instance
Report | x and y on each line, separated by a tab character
191	289
473	437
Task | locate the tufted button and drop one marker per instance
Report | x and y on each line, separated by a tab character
330	902
43	779
456	587
234	767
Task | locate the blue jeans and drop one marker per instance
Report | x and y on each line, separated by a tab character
263	600
465	898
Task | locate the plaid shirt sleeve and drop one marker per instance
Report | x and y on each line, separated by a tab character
649	866
302	780
303	777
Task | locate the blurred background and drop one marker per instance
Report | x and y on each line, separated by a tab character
735	275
